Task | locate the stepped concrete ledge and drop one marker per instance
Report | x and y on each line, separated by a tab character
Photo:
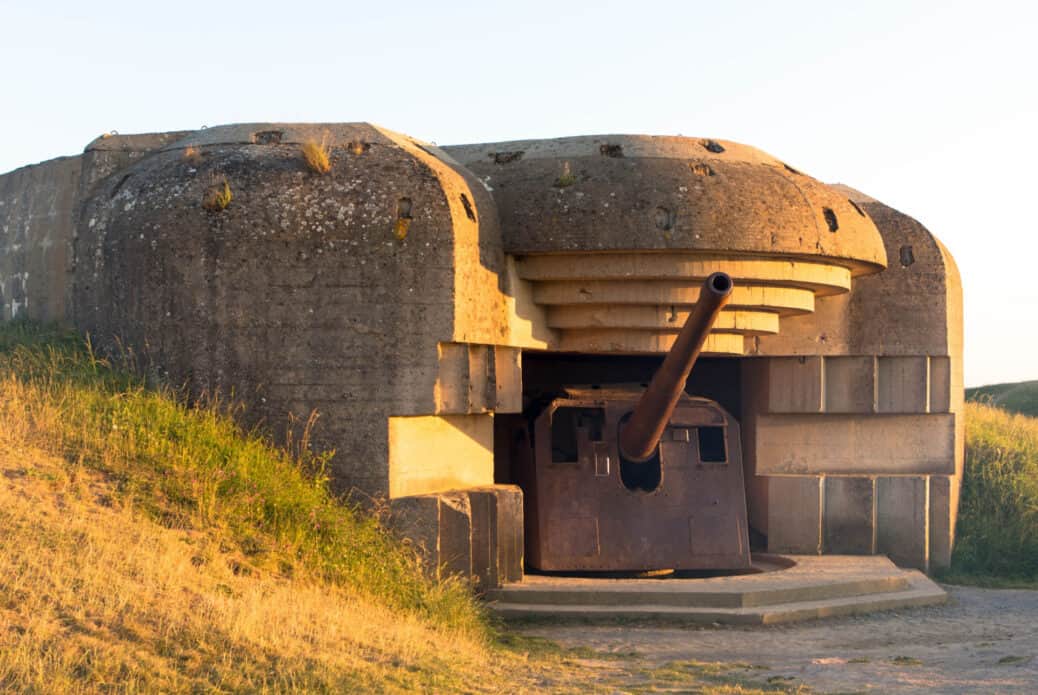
786	589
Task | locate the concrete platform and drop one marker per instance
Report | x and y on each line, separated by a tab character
787	588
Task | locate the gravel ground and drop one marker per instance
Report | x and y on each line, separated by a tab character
982	641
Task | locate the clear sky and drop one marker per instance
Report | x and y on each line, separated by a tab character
931	107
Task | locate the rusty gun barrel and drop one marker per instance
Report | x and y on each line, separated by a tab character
641	433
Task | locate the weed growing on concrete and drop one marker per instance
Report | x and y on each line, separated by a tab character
192	155
217	195
400	229
316	155
1011	660
906	661
566	178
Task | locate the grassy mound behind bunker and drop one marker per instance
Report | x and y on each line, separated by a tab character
149	546
997	532
1020	397
194	468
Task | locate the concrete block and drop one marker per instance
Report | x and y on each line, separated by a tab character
850	384
940	384
452	378
795	514
418	520
903	385
482	393
849	524
854	444
944	504
902	520
508	379
437	453
510	538
795	385
474	533
483	505
497	535
38	209
455	552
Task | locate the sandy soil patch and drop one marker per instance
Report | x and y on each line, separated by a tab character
983	640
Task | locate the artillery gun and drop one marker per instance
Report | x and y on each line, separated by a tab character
625	478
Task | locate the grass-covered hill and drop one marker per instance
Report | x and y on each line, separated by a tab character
1020	397
149	546
997	531
146	546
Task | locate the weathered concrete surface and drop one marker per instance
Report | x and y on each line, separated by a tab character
476	533
912	308
902	520
851	444
813	587
111	153
672	193
795	508
850	384
37	211
589	215
944	506
497	535
849	526
430	453
331	292
880	370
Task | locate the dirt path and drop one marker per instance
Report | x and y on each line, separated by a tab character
983	640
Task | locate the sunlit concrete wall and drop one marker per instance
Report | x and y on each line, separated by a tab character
853	415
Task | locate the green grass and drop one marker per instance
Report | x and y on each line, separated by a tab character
193	467
997	532
148	544
1020	397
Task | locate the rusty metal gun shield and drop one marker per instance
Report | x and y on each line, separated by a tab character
590	509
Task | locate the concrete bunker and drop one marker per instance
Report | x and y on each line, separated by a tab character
838	362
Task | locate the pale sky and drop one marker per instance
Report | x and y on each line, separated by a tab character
930	107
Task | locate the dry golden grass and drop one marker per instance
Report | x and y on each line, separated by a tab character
316	155
95	595
146	546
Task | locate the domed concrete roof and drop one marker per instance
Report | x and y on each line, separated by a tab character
641	193
617	232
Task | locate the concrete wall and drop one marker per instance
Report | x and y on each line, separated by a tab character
852	417
37	211
377	294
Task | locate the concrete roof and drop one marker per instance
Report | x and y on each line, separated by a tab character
649	193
